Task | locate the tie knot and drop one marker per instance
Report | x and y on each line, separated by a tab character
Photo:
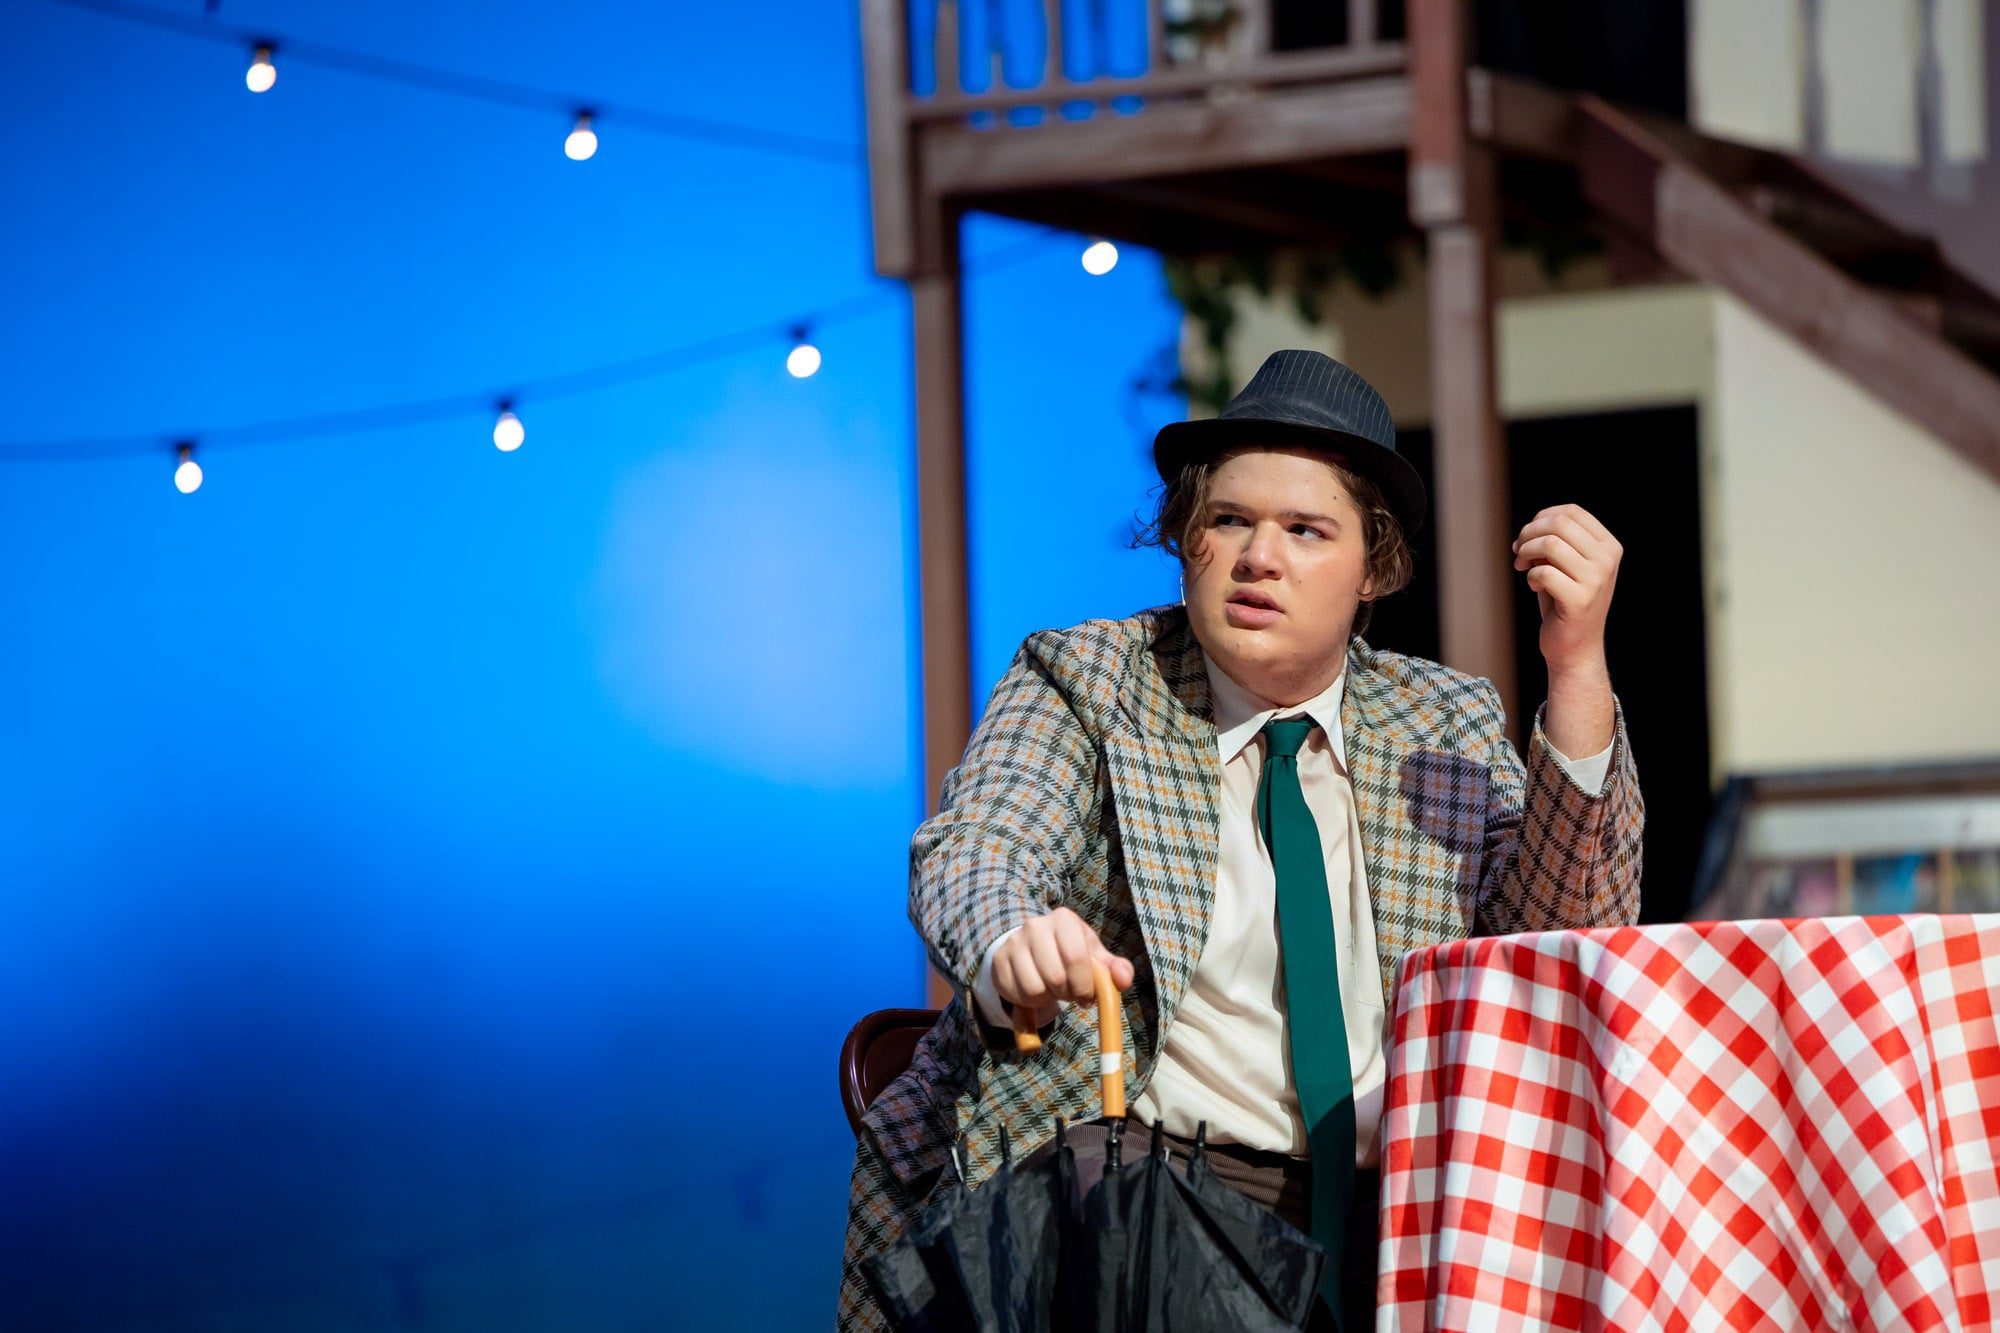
1287	736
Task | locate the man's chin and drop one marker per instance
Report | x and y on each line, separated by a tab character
1249	643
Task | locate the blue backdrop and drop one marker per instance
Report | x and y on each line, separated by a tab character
434	883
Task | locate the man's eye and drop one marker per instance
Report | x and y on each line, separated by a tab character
1306	530
1223	520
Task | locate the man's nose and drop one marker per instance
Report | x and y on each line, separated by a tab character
1260	556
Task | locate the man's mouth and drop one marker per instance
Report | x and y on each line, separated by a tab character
1248	608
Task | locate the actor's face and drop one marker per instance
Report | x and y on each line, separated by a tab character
1281	566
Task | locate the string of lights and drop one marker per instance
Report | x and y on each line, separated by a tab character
797	334
803	358
266	51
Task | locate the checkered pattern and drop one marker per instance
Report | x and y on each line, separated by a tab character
1771	1125
1093	782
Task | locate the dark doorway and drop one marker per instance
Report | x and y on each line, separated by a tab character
1638	472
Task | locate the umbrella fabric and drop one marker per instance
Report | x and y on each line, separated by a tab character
1169	1251
1282	1262
985	1259
1004	1248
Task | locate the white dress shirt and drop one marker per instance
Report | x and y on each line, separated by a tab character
1226	1057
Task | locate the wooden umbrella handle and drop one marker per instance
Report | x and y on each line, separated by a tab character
1110	1039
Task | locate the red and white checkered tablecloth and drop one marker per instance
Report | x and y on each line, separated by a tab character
1774	1125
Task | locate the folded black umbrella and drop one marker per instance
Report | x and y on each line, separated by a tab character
1283	1264
1005	1247
1175	1251
1148	1246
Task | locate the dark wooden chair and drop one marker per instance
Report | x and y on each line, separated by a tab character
877	1049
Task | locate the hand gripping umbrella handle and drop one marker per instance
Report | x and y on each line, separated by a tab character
1110	1039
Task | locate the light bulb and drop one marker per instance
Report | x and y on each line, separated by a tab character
187	477
1099	258
582	141
262	73
508	432
804	360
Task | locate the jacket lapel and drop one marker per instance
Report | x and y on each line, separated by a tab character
1167	789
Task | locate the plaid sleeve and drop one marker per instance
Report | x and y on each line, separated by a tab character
1014	822
1557	856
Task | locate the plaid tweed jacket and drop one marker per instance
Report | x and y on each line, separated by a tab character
1093	782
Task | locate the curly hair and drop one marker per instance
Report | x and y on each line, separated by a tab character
1178	523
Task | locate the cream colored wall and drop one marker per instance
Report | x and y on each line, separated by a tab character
1867	56
1861	598
1752	71
1746	75
1849	561
1959	44
1604	351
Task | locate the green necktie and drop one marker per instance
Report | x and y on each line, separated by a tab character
1315	1019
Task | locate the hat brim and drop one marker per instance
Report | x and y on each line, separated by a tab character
1184	442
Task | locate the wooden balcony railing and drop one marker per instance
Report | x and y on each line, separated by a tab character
1236	54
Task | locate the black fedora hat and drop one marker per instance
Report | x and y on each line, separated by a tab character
1305	398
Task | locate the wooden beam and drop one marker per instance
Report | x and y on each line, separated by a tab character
1362	116
1837	229
947	54
1361	23
1052	57
1254	17
1453	195
1520	117
1470	505
1277	70
936	309
886	82
944	596
1440	124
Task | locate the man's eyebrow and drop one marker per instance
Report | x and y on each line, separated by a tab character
1294	515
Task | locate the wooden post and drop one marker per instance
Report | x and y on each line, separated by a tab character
944	597
937	315
916	238
1361	22
1452	196
886	86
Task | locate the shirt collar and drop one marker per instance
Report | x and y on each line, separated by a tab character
1240	715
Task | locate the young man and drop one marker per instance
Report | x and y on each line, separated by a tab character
1247	815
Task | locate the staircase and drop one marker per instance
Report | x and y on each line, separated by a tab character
1878	303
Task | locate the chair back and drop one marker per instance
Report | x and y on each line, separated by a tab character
876	1051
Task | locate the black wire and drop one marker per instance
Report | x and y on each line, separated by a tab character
480	89
356	421
361	420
